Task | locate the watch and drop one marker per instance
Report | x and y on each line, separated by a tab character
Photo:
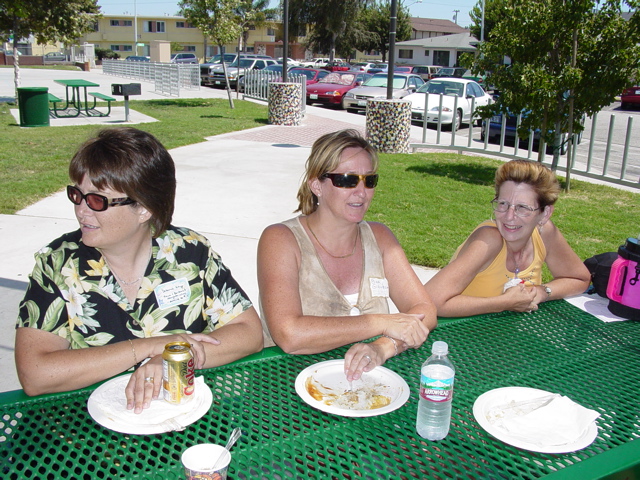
547	289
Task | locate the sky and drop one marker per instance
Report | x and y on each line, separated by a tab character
439	9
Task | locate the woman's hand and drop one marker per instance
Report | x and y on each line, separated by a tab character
196	340
521	298
407	328
362	357
144	385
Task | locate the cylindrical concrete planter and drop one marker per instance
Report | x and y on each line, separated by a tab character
285	103
389	125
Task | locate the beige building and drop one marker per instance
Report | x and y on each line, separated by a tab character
128	35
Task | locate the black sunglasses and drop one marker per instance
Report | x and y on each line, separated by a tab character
351	180
95	201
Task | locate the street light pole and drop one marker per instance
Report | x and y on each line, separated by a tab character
135	28
392	47
285	39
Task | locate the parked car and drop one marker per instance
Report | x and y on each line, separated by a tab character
361	66
403	69
316	63
54	57
313	75
378	68
290	62
337	66
184	58
630	97
376	88
137	58
237	70
465	90
215	63
272	73
331	89
426	72
455	72
494	128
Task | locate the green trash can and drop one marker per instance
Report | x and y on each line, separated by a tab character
33	105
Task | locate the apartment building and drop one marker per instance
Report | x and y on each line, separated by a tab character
132	35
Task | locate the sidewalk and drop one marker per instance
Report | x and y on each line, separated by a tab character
230	188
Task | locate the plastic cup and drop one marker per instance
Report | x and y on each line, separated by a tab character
198	462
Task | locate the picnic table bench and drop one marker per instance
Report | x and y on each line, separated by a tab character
93	111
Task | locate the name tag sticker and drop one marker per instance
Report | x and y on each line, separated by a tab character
379	287
172	293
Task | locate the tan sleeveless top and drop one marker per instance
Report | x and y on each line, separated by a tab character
320	296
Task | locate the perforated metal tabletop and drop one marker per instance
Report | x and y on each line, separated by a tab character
558	348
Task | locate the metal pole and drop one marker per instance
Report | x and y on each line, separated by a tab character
392	47
285	39
135	28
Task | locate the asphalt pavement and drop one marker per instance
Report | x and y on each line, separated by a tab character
230	187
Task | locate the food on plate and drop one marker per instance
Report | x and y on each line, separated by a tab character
367	397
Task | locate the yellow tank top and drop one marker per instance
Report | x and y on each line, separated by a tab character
490	282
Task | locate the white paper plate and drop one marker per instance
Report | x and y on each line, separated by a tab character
330	375
500	396
107	405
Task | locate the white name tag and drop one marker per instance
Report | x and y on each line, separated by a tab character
379	287
172	293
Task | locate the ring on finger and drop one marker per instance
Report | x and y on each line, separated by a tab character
148	380
368	358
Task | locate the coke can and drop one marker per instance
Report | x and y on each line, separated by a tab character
178	373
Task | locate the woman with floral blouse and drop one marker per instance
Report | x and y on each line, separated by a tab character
127	282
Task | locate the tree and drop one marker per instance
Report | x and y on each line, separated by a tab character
493	11
216	19
47	20
375	20
253	14
568	59
332	23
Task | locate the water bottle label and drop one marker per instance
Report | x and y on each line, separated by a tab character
436	390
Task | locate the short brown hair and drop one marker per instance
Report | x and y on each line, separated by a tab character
133	162
325	156
541	178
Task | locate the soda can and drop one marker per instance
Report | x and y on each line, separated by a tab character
178	373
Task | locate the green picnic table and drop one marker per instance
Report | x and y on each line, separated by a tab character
558	348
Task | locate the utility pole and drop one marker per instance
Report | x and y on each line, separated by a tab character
455	16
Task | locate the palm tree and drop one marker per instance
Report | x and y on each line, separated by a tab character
253	14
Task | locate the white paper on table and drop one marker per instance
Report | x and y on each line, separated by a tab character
596	306
560	422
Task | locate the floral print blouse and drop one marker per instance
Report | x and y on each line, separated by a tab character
186	288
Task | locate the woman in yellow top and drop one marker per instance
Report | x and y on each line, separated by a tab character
499	265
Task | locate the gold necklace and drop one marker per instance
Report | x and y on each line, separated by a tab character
355	243
132	282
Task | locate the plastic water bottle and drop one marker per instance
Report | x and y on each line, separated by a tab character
436	392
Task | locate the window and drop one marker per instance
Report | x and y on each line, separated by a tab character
189	48
404	53
441	57
153	27
121	48
271	31
95	27
121	23
252	27
184	25
427	53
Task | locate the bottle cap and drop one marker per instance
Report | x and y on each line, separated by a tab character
440	348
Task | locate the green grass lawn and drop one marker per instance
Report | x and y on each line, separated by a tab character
432	201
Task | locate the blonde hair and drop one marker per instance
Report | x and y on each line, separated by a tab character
541	178
326	155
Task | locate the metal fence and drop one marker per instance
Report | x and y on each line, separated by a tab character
256	85
168	78
604	151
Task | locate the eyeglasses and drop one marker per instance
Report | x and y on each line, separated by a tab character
520	210
351	180
96	202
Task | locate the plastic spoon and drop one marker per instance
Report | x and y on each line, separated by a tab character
235	435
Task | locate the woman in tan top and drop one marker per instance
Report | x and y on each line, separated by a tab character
325	277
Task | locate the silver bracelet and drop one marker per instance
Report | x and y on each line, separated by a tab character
395	345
